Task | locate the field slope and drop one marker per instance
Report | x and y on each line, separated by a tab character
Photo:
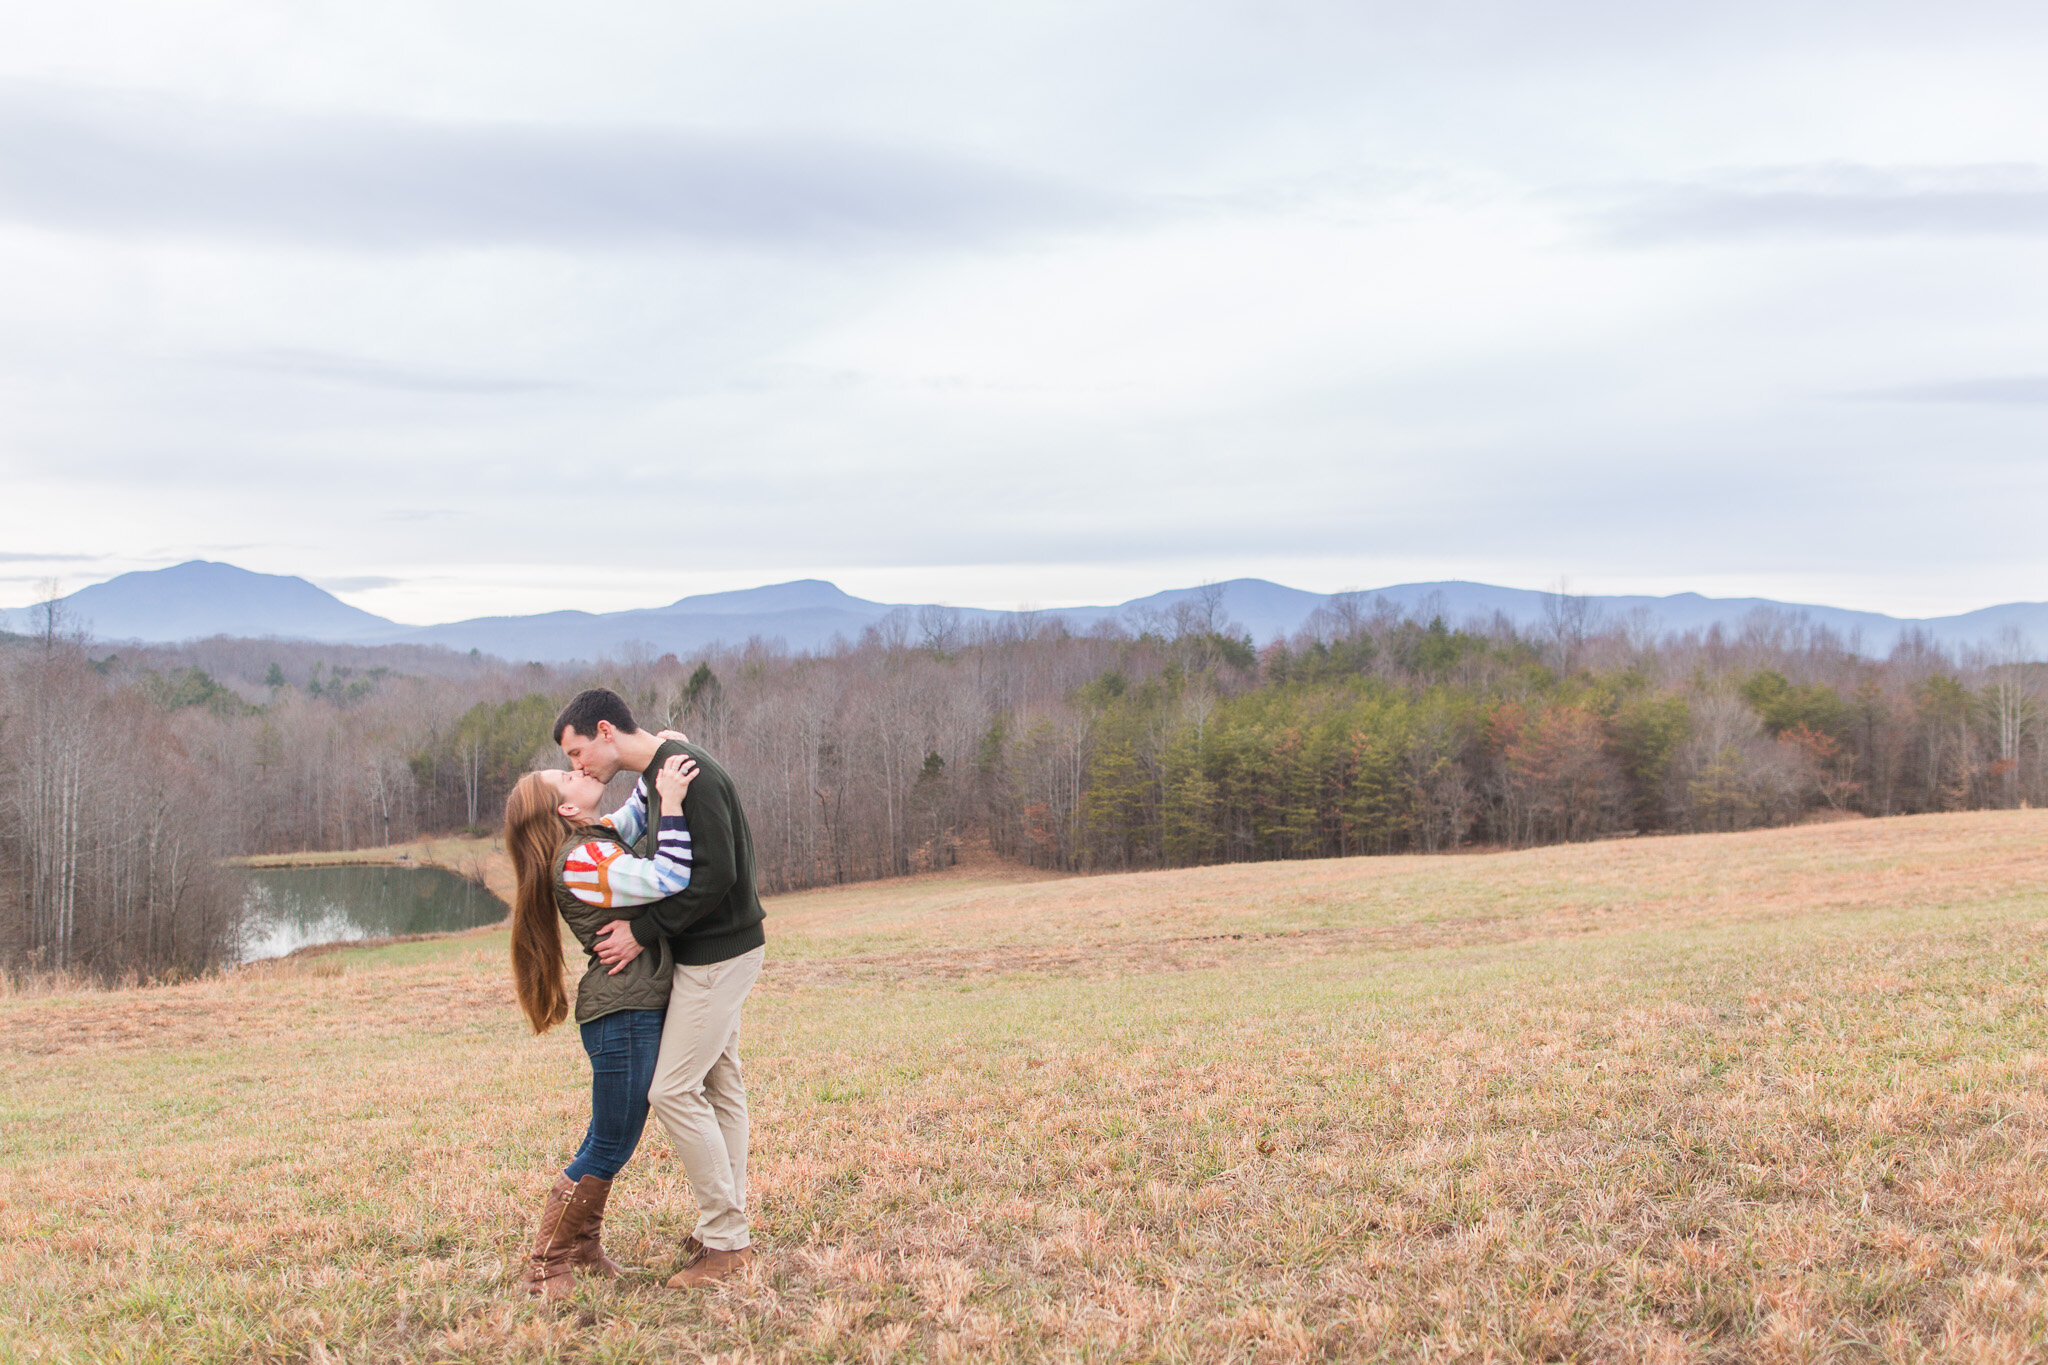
1774	1096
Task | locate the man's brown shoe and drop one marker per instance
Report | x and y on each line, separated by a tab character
710	1265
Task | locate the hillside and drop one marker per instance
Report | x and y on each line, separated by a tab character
1770	1096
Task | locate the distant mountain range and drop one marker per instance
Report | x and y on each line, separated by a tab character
201	599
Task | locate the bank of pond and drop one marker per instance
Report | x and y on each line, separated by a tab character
288	908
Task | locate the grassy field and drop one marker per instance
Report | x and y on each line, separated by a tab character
1762	1097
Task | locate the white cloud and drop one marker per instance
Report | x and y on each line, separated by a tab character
446	301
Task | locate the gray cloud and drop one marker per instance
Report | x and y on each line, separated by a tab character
137	166
2019	389
363	372
360	583
11	557
1836	201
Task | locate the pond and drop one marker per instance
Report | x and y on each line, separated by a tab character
291	907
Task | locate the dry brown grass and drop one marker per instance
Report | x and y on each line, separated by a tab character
1762	1097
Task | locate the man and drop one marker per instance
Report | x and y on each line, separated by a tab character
713	928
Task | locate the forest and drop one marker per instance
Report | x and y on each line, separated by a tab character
128	774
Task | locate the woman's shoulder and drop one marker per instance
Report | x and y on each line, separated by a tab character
580	837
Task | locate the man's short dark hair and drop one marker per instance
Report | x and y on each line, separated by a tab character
590	706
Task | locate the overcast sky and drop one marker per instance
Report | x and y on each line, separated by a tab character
474	308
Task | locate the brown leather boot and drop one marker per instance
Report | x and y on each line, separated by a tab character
550	1271
710	1265
588	1253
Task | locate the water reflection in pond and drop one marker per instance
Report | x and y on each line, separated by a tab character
292	907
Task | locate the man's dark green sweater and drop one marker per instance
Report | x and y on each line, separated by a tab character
718	915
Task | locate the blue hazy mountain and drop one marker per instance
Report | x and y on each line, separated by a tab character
806	614
200	599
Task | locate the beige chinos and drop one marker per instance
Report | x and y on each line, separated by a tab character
700	1096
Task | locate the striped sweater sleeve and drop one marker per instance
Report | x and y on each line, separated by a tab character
631	818
601	873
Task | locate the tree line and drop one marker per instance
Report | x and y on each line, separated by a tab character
130	773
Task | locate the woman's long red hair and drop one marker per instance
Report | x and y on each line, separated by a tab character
534	833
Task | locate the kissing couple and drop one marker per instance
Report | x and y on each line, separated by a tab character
661	896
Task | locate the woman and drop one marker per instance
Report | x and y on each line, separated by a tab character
573	866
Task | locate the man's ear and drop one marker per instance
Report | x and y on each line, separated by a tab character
606	731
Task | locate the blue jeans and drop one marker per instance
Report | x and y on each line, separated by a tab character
622	1048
